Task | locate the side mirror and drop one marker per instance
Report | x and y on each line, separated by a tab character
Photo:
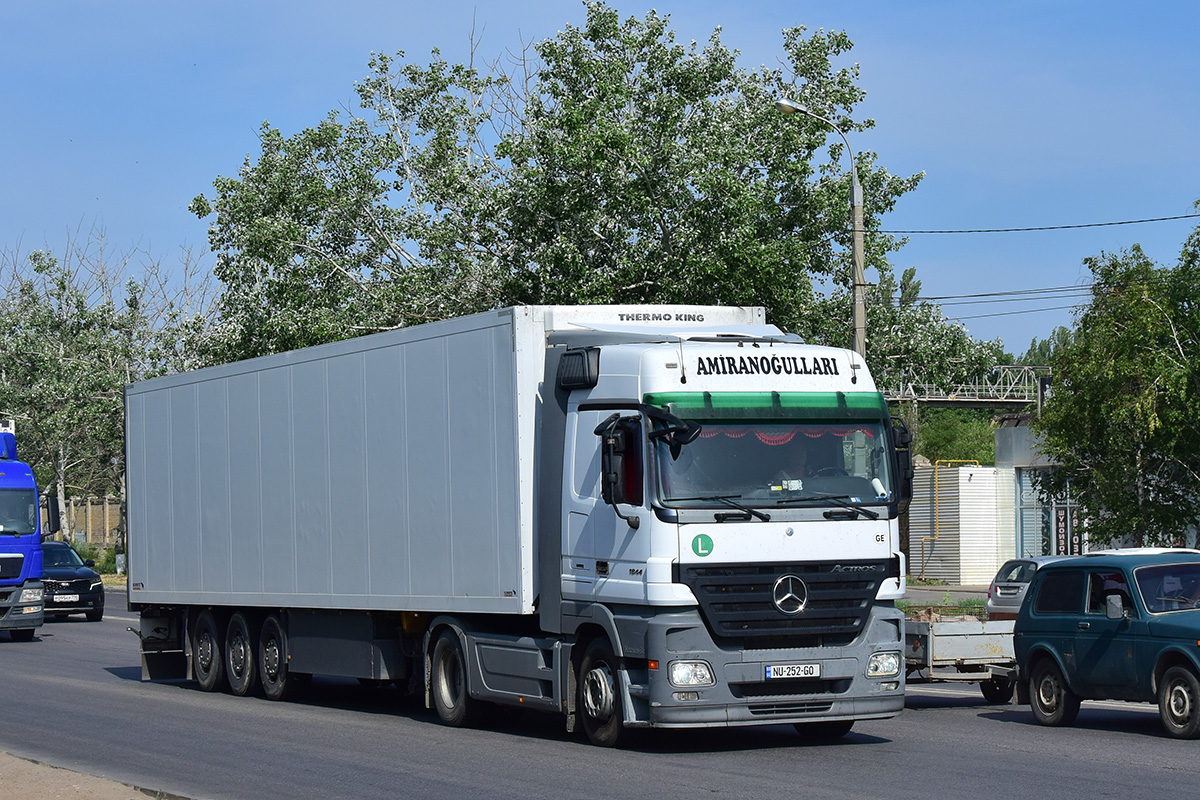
53	518
902	441
1114	608
621	463
89	563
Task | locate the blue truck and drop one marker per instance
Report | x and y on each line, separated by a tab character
21	608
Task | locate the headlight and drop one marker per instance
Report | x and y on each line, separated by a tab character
691	673
883	665
95	583
30	595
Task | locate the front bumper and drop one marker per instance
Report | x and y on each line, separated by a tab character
743	695
74	602
14	613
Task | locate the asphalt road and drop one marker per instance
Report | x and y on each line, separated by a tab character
73	698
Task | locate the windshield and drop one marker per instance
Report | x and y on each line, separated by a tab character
18	511
1169	587
60	557
774	463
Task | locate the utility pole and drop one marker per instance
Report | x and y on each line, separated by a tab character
858	281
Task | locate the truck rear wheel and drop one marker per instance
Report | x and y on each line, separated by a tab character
21	634
600	695
208	662
240	658
448	678
277	680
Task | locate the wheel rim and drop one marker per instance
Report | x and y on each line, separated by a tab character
1179	703
271	659
237	655
598	694
1048	691
205	648
449	683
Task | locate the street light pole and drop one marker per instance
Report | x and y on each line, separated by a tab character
859	286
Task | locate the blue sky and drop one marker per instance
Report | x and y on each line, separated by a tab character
1021	114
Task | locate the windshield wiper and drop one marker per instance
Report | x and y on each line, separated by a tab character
729	500
843	500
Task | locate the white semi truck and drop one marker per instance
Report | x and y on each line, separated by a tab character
629	516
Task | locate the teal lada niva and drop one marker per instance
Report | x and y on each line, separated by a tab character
1116	625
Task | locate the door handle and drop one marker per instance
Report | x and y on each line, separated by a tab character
1083	626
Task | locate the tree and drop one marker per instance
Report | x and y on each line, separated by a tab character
73	331
607	164
908	340
958	434
1042	351
1121	421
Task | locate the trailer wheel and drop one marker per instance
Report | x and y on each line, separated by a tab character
997	691
207	660
448	676
277	680
1052	701
21	634
240	658
600	695
1179	703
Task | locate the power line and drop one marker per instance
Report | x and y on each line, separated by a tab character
1015	313
1050	227
1010	293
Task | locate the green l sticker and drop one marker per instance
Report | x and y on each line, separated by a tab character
702	545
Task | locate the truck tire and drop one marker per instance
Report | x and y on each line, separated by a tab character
448	683
599	702
997	691
21	634
208	661
277	680
1052	701
824	731
1179	703
240	656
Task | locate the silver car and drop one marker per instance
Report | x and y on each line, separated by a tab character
1007	590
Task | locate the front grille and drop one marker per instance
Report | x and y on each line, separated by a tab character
789	688
736	601
789	709
10	566
81	585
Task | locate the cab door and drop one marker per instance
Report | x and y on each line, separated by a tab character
603	556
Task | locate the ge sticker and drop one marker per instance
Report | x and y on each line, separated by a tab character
702	545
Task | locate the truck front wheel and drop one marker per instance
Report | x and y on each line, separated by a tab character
448	677
600	695
208	662
21	634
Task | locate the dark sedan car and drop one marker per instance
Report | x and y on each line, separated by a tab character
72	586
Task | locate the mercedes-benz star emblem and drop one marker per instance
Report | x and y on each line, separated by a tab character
790	594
